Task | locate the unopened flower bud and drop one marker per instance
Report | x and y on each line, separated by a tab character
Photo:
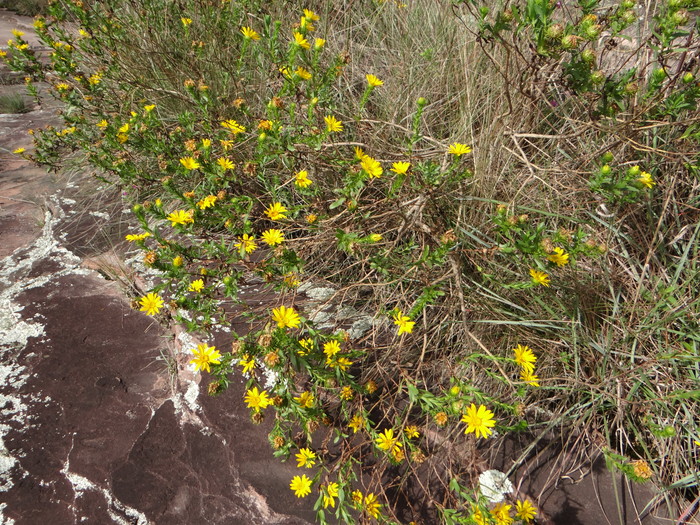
588	56
688	78
555	31
597	77
680	18
631	88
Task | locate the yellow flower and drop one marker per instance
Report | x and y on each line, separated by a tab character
375	237
387	441
205	355
539	277
559	257
301	485
226	144
359	154
273	237
333	124
306	458
372	167
249	33
403	322
257	400
331	348
225	163
124	128
206	143
180	217
346	393
478	516
457	149
372	506
371	386
342	362
525	357
646	180
529	377
196	286
102	124
311	218
285	317
150	107
307	345
39	24
478	421
305	400
151	303
178	261
302	179
291	279
276	211
207	202
62	87
233	126
641	469
525	510
247	362
186	21
95	79
319	43
441	419
400	167
300	41
356	496
247	243
356	423
329	494
373	81
140	237
302	73
501	514
19	151
310	15
17	33
190	163
411	431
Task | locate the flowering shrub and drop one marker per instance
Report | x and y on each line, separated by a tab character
247	159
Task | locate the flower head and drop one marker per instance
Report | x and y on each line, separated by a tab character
319	43
559	257
276	211
140	237
151	303
205	355
539	277
257	400
233	126
331	348
300	40
306	458
272	237
307	345
285	317
225	163
196	286
181	217
646	180
346	393
642	469
372	506
190	163
501	514
372	167
525	510
411	431
310	15
305	399
302	73
373	81
479	421
525	357
400	167
529	377
302	179
247	362
186	21
356	423
403	322
207	202
387	441
333	124
247	243
330	492
249	33
457	149
301	485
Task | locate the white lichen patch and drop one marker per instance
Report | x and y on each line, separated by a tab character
494	485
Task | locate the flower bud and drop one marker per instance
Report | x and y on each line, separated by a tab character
597	77
588	56
680	18
555	31
605	170
631	88
688	78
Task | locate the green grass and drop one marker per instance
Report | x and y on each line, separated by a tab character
13	103
25	7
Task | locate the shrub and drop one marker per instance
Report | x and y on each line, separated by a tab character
520	237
